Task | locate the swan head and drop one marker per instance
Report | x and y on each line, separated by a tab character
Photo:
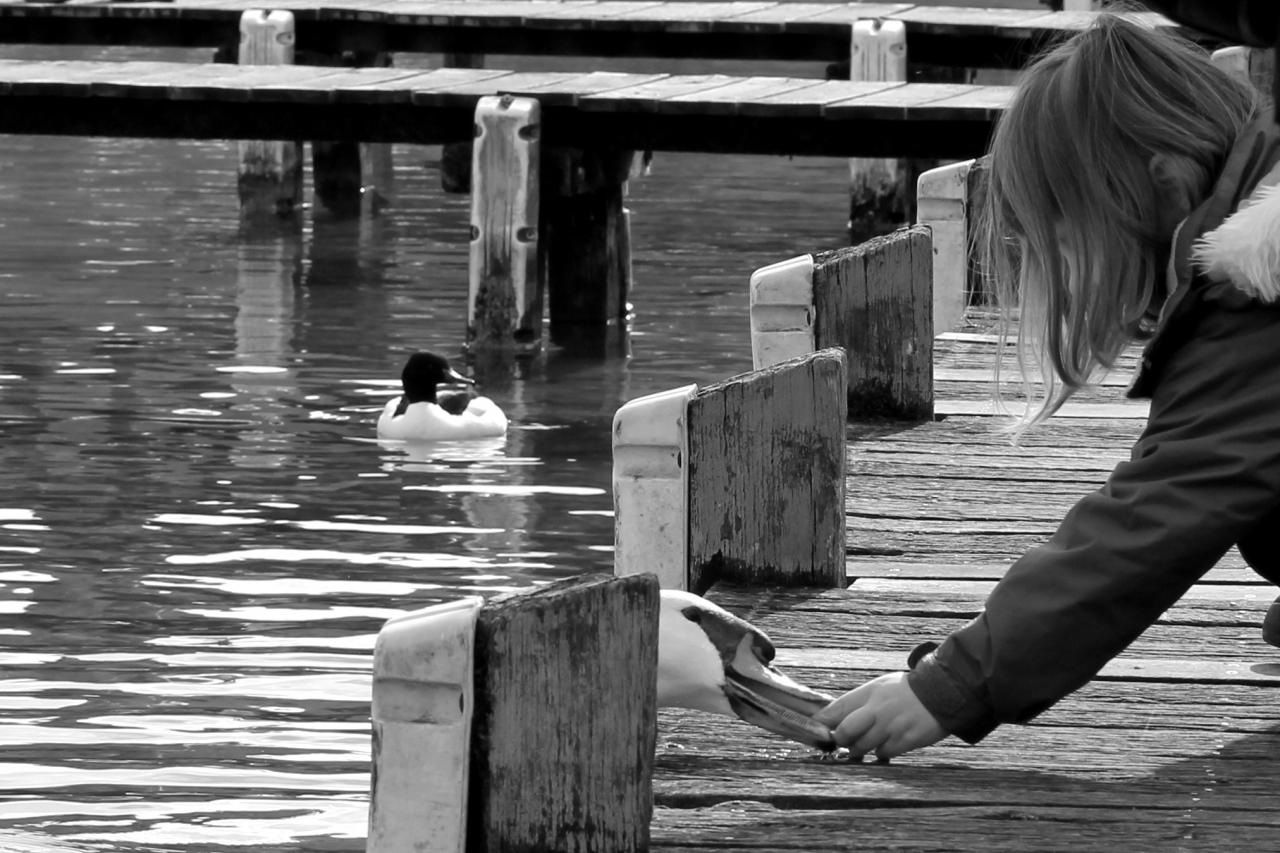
710	660
423	372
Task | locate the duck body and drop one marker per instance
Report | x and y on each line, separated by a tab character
481	418
425	413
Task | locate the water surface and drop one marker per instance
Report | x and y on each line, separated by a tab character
199	538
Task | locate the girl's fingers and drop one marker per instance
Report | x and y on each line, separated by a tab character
838	710
859	732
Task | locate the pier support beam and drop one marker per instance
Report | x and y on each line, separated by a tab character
504	302
270	173
874	302
352	178
527	722
748	472
585	240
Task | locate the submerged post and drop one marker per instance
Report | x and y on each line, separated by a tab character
270	174
523	723
586	244
504	300
873	301
878	53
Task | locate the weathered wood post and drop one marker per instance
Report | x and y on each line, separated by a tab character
526	722
270	175
741	481
1253	64
873	301
949	199
504	301
878	52
585	241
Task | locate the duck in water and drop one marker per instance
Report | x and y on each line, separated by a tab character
426	413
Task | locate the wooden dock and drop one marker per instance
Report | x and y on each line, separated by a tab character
661	112
937	35
1176	746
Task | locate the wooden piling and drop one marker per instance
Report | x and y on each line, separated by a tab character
565	724
504	304
877	191
585	243
270	172
523	723
873	301
766	476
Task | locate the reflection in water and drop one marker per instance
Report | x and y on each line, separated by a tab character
199	535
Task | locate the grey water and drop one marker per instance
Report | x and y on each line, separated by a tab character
199	537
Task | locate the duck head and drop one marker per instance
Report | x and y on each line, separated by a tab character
710	660
421	375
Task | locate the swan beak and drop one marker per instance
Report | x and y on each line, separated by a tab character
761	695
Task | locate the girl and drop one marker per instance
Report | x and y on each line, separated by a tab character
1131	196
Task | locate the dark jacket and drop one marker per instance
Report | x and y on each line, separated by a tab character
1205	475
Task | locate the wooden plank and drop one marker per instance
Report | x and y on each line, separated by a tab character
1137	409
989	828
386	86
688	16
914	101
567	91
1230	570
811	99
728	99
465	85
988	376
649	96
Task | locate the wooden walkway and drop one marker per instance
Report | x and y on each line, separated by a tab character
938	35
1176	746
658	112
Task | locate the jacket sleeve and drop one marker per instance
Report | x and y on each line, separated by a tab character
1205	470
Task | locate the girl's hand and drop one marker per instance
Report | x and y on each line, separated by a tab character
882	716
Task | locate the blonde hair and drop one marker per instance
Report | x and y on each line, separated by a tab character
1068	222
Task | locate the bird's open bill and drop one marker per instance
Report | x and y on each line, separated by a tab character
761	695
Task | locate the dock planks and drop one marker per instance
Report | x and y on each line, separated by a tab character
659	112
1175	746
672	29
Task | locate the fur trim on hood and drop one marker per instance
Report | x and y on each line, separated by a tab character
1245	248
